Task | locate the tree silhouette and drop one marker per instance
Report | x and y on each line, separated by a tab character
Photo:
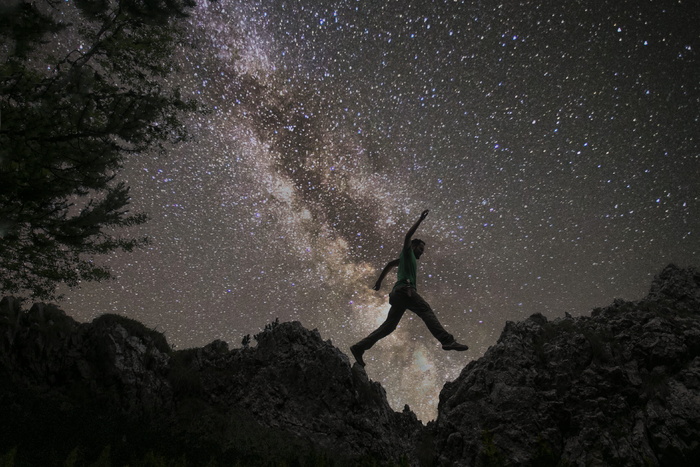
83	85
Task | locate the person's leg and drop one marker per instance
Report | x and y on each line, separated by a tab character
386	328
398	307
420	307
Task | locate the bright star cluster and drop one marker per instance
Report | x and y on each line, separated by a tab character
555	144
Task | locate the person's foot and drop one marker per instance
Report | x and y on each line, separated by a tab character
455	346
357	353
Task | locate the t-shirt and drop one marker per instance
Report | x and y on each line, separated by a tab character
406	275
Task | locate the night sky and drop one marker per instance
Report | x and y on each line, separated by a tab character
555	144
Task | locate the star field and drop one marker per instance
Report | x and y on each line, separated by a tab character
556	146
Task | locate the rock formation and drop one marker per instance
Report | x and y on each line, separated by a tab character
295	382
621	387
618	387
114	384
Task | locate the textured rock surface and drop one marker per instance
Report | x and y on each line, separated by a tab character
114	383
44	349
296	382
621	387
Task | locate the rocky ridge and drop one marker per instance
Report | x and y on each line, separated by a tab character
114	383
618	387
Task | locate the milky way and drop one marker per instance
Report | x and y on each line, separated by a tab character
555	144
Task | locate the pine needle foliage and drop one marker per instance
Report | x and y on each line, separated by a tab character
83	86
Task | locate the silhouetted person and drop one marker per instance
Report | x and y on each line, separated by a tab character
404	296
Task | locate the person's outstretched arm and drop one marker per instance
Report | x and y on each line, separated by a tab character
389	266
412	230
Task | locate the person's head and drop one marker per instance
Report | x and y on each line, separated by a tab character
418	247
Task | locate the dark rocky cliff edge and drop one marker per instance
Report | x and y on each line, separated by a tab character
619	387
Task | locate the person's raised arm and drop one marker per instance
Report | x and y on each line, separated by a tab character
389	266
412	230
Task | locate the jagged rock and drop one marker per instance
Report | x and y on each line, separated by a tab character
680	288
621	387
296	382
292	397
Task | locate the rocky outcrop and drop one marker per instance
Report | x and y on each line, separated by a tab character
295	382
621	387
114	383
618	387
45	350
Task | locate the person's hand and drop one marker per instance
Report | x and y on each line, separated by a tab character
424	214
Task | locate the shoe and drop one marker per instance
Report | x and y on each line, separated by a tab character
455	346
357	353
